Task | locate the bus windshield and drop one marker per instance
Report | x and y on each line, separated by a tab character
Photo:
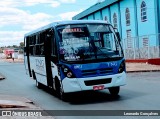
88	42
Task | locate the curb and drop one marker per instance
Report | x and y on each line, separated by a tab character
18	106
16	102
153	61
143	71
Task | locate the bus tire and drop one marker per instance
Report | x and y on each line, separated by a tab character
114	90
59	90
38	85
34	75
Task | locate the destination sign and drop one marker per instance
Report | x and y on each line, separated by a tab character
71	30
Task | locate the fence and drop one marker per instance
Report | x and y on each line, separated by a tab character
143	47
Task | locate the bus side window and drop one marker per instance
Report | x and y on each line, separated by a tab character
39	44
42	50
32	47
30	50
36	47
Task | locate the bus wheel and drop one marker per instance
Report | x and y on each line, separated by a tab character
114	90
62	94
59	91
38	85
34	75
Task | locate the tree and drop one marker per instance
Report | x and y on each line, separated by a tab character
21	44
15	46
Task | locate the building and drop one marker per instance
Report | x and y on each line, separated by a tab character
138	22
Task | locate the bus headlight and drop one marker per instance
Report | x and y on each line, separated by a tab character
122	67
67	72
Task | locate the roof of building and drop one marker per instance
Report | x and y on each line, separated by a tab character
94	8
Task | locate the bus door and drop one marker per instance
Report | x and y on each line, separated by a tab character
26	56
48	50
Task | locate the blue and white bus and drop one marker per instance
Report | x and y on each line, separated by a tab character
73	56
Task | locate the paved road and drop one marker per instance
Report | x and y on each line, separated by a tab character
140	93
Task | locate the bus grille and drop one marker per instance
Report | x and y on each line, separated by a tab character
97	72
97	82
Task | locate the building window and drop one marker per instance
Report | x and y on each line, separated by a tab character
115	20
143	12
127	17
129	39
105	18
145	42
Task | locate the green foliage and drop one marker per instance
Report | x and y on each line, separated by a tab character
21	44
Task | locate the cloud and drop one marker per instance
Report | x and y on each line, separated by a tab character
36	20
69	15
68	1
52	3
22	3
14	16
10	16
24	21
11	37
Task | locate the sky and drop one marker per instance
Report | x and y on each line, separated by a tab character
18	17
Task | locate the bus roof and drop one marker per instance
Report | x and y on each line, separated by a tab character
54	24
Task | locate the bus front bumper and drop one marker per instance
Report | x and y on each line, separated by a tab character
78	84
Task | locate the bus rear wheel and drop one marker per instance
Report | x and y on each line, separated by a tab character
114	90
38	85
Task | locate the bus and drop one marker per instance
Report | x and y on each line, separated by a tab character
75	56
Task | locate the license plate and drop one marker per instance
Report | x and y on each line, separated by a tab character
101	87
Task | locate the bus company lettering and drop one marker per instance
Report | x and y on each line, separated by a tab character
39	64
78	67
112	64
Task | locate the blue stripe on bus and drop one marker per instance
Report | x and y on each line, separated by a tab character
93	69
